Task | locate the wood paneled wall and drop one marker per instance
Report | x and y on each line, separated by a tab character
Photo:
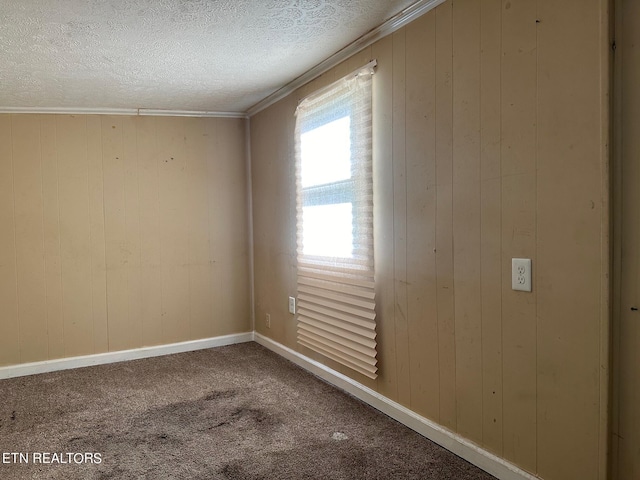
625	429
490	142
120	232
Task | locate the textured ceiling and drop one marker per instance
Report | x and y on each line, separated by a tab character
207	55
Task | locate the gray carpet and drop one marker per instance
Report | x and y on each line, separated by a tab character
238	412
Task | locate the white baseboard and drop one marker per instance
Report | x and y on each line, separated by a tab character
487	461
121	356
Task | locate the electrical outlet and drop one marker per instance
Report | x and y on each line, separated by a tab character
267	321
292	305
521	274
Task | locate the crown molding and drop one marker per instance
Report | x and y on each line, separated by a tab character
122	111
190	113
391	25
70	111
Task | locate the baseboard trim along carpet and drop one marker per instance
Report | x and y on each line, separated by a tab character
496	466
121	356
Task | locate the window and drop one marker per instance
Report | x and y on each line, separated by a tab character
336	299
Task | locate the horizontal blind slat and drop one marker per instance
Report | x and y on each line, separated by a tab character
347	321
312	282
364	357
327	276
338	297
362	266
338	269
310	301
314	318
361	360
355	342
338	356
329	345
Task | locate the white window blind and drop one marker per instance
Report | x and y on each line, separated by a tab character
336	299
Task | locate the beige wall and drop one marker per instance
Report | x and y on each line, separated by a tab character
120	232
625	429
490	142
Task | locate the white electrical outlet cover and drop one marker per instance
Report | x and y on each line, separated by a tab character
292	305
521	274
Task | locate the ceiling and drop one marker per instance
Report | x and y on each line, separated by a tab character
202	55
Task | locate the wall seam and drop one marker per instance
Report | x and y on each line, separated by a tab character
87	162
104	225
437	187
501	246
617	143
250	237
393	214
406	213
127	268
537	259
15	235
141	276
44	245
501	257
482	317
611	169
453	243
187	157
55	131
157	169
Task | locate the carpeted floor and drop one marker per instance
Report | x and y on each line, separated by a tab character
238	412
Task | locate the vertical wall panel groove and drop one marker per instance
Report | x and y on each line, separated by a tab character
115	232
104	226
491	233
444	216
132	226
621	235
519	234
214	180
44	238
151	298
403	367
617	34
421	208
466	216
88	179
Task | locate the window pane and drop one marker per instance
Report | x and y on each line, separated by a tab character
328	230
326	153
